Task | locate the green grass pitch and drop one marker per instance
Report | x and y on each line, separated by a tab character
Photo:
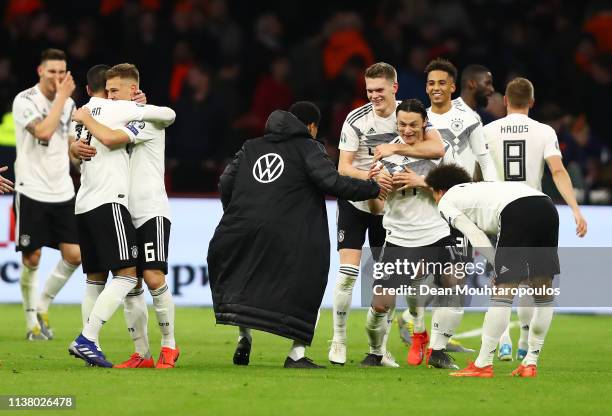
575	373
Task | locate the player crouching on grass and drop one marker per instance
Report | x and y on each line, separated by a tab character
526	252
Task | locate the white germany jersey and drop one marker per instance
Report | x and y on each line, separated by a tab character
519	147
411	217
361	132
482	202
105	178
147	195
42	168
460	104
460	128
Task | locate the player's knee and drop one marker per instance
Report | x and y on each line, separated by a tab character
381	308
154	279
31	259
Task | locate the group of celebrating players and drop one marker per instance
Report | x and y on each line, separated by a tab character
428	160
432	202
119	221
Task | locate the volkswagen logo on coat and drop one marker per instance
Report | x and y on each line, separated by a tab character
268	168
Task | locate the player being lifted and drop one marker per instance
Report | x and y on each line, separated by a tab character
415	232
150	212
519	147
107	234
364	129
463	131
44	197
526	251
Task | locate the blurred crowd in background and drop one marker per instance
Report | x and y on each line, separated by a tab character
224	65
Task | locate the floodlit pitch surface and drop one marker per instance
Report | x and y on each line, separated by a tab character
575	373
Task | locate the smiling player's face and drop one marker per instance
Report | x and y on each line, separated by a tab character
120	88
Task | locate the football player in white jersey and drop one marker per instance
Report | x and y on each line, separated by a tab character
476	89
519	147
150	212
364	129
5	184
526	251
44	192
414	231
107	234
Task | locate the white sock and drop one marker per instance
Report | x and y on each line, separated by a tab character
343	293
525	314
136	318
29	287
107	303
164	309
444	321
92	291
415	312
56	281
542	317
297	351
244	333
389	323
418	319
505	337
376	326
496	319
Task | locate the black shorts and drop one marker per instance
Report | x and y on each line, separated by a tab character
108	239
43	224
439	253
352	226
153	237
528	240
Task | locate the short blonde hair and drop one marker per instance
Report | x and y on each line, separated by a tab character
123	71
381	70
519	92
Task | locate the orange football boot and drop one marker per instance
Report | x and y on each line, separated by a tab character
168	357
526	371
136	361
418	348
472	371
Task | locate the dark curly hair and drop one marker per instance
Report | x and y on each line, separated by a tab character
444	177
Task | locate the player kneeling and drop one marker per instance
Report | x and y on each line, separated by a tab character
526	252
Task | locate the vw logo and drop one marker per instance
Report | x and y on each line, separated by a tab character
268	168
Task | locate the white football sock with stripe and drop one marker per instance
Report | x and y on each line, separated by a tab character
164	309
495	321
56	281
29	287
136	318
505	337
390	316
298	350
444	322
376	326
343	293
92	291
525	314
542	317
109	300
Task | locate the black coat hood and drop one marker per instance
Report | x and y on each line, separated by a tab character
282	125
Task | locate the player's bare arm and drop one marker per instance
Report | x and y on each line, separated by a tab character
564	185
431	147
107	136
346	168
5	184
43	129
